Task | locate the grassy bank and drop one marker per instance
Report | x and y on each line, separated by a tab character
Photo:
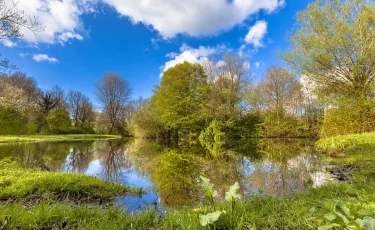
19	184
256	213
40	138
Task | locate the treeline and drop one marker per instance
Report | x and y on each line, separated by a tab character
332	52
217	100
27	109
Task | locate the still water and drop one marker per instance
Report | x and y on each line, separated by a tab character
169	172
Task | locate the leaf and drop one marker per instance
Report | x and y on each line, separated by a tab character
330	216
308	215
208	187
233	193
343	210
210	218
369	223
325	227
353	225
363	212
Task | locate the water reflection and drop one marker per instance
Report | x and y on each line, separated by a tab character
169	172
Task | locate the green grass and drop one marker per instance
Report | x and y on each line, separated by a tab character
256	213
67	216
346	142
17	183
40	138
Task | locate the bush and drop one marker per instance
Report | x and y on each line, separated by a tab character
59	122
12	122
346	118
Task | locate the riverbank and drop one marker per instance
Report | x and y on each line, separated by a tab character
45	138
259	212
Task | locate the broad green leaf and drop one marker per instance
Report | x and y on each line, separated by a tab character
363	212
369	223
308	215
354	225
330	216
233	193
208	187
341	208
210	218
330	226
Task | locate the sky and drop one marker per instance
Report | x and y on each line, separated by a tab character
140	39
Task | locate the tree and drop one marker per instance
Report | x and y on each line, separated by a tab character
114	93
11	22
281	89
334	46
58	122
58	95
80	109
227	80
179	98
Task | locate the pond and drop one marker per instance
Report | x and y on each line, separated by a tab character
170	172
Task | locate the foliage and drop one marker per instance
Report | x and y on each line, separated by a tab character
345	118
280	124
179	99
342	218
12	122
331	48
58	122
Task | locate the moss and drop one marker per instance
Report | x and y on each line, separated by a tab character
40	138
17	183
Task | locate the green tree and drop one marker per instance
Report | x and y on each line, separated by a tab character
335	46
58	122
179	99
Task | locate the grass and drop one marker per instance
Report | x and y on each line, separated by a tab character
256	213
17	183
346	142
40	138
67	216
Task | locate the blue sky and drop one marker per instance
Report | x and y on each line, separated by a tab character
139	39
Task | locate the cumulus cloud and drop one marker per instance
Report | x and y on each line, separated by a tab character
44	57
256	34
189	54
8	43
60	19
192	17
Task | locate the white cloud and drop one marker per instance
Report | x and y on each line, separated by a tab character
192	17
8	43
256	34
44	57
189	54
60	19
69	35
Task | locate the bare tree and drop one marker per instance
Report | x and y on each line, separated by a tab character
281	89
227	79
11	22
59	96
13	19
114	93
80	108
